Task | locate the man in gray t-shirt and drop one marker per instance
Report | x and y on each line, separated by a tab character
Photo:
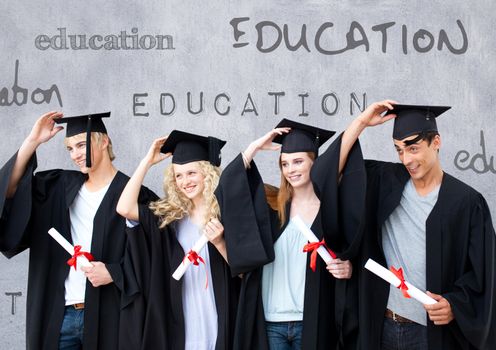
403	241
434	227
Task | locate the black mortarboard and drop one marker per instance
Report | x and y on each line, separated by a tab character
186	147
85	123
302	137
412	120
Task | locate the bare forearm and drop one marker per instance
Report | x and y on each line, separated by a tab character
128	202
349	138
221	248
248	154
263	143
371	116
43	130
24	154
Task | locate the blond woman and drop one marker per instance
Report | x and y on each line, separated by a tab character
194	312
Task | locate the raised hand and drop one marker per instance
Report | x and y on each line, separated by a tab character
44	128
154	156
264	143
128	202
372	115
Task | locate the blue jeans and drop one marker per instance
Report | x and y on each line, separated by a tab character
71	333
403	336
284	335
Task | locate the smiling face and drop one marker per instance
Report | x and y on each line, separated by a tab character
420	158
76	146
295	168
189	180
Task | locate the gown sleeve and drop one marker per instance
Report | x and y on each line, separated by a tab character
16	212
116	269
143	314
342	199
473	298
245	216
137	259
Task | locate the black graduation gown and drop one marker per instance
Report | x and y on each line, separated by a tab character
460	260
152	311
42	201
330	310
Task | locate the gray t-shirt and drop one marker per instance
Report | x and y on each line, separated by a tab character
403	241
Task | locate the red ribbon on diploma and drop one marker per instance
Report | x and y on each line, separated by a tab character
312	247
399	273
77	252
194	258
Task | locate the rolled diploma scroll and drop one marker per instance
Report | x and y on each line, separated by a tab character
181	269
310	236
81	260
388	276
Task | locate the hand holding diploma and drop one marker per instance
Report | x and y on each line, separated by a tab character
396	279
440	313
340	269
191	257
213	233
98	274
78	256
315	246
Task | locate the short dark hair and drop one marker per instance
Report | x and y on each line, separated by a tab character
424	135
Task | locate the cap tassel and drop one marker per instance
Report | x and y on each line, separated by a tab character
88	143
316	143
214	147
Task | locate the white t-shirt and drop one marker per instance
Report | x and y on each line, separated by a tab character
82	213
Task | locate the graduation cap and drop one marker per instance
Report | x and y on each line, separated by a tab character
302	137
186	148
85	123
413	119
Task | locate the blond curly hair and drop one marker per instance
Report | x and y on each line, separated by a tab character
175	205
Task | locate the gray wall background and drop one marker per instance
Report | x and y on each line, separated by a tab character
203	59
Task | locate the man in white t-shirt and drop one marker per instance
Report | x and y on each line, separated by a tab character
68	307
